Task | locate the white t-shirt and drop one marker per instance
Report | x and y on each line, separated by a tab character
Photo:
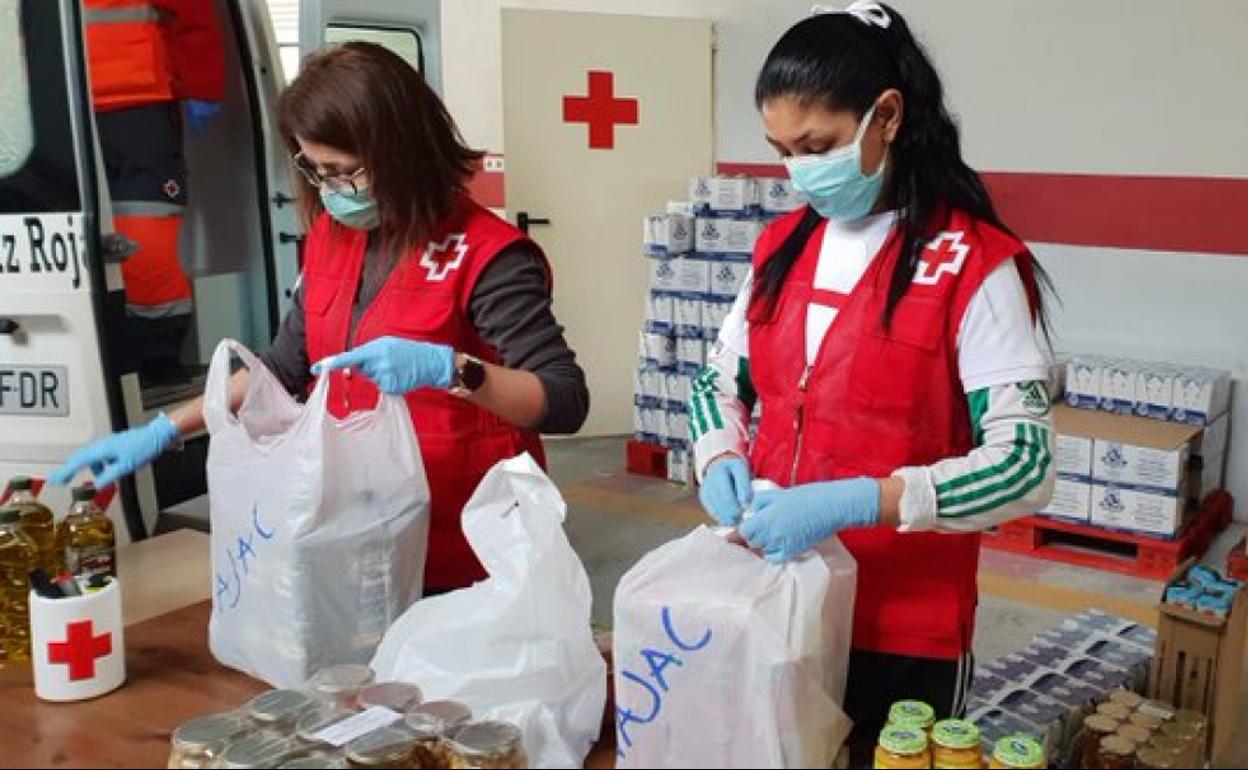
997	342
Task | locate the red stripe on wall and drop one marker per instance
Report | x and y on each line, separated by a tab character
1187	214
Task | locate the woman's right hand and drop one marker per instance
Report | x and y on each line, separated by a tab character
726	489
120	454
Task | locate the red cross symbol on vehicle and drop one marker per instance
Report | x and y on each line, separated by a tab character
80	650
944	254
600	110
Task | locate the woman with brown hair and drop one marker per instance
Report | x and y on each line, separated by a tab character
408	287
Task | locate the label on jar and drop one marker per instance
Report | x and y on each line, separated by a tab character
341	733
92	560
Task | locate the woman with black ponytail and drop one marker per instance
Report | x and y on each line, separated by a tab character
889	334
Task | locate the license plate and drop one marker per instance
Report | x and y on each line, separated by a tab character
34	390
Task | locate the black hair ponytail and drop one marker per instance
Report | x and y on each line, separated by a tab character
843	62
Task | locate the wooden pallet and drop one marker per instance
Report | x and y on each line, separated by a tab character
1237	561
1131	554
646	459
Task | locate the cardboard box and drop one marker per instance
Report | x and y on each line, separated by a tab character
1072	499
713	314
679	466
688	318
676	391
1131	450
1074	453
690	355
1201	395
1198	664
1083	381
1119	386
684	208
1155	390
658	350
1138	510
779	196
720	236
667	234
727	278
1209	457
1057	377
648	387
677	430
685	275
725	194
660	312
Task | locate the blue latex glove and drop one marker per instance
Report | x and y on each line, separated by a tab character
199	114
120	454
726	489
397	365
789	522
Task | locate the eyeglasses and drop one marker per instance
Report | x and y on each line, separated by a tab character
343	183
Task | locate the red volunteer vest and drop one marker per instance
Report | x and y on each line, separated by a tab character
425	298
874	401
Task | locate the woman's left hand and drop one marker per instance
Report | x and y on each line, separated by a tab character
397	365
788	522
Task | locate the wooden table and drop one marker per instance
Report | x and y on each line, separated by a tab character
170	677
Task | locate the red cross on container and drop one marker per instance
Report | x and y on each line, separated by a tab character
600	110
80	650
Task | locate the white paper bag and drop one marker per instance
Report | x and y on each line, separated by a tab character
516	646
319	525
723	659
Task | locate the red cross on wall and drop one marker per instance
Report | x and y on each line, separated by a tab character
80	650
600	110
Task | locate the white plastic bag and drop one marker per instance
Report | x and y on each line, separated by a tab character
516	646
319	525
723	659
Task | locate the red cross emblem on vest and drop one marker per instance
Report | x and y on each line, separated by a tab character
944	255
80	650
442	258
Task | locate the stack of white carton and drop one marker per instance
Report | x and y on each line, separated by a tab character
699	253
1120	471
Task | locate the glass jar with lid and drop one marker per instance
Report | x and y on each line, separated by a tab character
278	711
1114	711
1095	728
903	747
341	684
431	724
317	719
1116	753
1134	733
956	746
1126	698
912	713
1148	758
256	750
198	742
314	760
387	747
1147	721
488	745
396	696
1018	752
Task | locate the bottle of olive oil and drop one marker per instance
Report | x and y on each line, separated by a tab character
18	556
37	522
85	537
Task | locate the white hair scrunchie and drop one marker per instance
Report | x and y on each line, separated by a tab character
869	13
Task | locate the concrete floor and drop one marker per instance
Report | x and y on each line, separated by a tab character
615	518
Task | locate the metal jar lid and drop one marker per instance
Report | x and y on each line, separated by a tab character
486	739
318	719
278	705
314	760
339	679
385	746
396	696
259	750
451	712
207	734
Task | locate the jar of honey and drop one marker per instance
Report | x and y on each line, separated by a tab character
1096	727
903	748
1116	753
956	746
1018	752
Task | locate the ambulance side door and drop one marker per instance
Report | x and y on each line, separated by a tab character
410	28
56	388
